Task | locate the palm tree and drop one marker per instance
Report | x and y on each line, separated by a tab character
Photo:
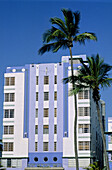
94	166
95	74
62	36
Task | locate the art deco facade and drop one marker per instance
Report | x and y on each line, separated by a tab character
39	118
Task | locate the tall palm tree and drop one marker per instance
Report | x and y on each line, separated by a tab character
95	74
62	36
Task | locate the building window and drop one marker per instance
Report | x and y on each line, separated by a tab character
6	81
87	145
84	128
45	146
9	97
84	145
46	79
80	111
55	146
36	115
9	81
5	146
12	81
55	129
8	130
86	94
6	113
6	97
36	129
8	162
46	112
9	113
11	129
36	146
83	111
86	111
55	79
55	112
46	129
55	95
36	80
80	95
8	146
36	96
46	96
5	130
83	94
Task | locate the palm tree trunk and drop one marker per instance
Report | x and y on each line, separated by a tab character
103	137
75	120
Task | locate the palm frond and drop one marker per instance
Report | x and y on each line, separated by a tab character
53	34
48	34
68	16
105	82
95	74
60	23
85	36
78	87
54	47
77	20
46	48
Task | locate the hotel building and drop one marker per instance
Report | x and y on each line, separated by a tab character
38	121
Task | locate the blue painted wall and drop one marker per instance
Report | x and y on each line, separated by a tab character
40	153
32	102
59	107
65	101
26	102
51	106
41	156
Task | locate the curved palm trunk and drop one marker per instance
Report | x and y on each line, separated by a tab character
103	137
75	120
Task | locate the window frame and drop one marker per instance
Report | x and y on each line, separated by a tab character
55	112
55	79
55	146
46	96
37	80
8	146
84	145
84	94
36	129
36	113
9	97
55	95
46	112
36	146
9	81
46	80
83	128
55	129
37	96
45	129
83	111
45	146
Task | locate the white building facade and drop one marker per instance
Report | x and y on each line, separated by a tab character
39	118
109	133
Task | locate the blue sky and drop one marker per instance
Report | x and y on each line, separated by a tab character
22	23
